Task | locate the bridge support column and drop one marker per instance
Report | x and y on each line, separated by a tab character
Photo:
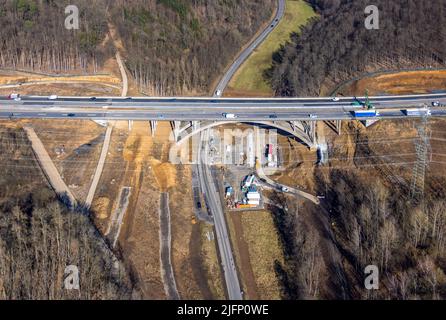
153	126
176	125
339	126
312	133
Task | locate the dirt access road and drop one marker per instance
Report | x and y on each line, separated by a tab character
48	166
170	285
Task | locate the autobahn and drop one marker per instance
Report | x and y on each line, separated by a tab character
189	109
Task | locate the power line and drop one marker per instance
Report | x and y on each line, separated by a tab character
419	169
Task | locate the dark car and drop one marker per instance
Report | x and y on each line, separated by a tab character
93	98
273	116
71	115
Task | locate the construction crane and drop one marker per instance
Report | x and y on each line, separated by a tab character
366	104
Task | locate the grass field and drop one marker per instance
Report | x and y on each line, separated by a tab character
265	249
249	78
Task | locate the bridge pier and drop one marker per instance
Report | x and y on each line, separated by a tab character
153	126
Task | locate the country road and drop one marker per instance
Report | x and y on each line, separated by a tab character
108	133
211	193
224	81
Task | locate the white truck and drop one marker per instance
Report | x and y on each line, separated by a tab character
229	115
418	112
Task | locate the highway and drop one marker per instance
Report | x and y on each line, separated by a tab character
224	81
190	109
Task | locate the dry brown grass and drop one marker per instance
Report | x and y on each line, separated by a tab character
399	83
264	249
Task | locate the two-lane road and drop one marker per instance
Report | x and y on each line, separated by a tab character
224	81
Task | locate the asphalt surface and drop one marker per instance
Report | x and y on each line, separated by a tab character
207	183
203	109
215	206
224	81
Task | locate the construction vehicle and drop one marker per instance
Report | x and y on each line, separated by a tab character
366	104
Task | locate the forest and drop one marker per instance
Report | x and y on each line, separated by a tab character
33	36
336	46
40	237
170	47
175	47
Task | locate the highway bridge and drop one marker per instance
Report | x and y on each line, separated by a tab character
203	109
296	116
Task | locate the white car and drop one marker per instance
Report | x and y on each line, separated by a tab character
218	93
436	103
229	115
15	96
52	97
285	189
335	99
312	116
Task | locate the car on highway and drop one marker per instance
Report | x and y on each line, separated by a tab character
229	115
335	99
52	97
273	116
436	103
93	98
218	93
272	26
15	96
71	115
312	116
160	116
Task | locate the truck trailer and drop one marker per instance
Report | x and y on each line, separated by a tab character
365	113
417	112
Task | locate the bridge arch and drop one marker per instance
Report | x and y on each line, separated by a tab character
298	133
